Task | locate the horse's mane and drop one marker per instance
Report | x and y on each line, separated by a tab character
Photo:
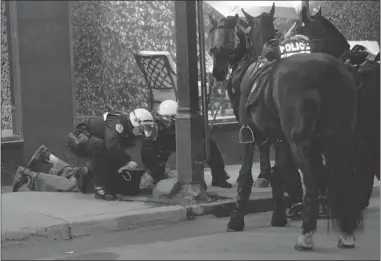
333	28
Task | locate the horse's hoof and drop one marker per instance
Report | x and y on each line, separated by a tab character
233	230
302	248
233	227
305	242
262	183
236	223
278	220
346	242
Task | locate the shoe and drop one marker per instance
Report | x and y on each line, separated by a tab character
41	155
221	183
100	193
21	178
262	183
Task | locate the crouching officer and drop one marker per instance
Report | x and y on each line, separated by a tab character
161	143
103	140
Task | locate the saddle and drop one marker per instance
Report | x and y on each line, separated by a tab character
359	55
361	63
234	83
253	84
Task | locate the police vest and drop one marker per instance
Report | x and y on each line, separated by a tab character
294	45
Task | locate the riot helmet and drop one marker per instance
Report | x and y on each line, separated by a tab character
166	113
143	123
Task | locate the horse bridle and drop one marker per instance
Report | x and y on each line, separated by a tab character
229	34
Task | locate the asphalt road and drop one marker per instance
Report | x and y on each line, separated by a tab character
205	238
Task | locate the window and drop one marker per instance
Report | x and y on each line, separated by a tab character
11	129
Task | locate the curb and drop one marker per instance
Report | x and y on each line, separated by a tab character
60	231
223	208
125	220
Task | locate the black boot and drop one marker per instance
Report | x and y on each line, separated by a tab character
40	156
23	175
101	193
221	183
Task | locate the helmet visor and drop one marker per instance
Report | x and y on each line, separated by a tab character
149	130
168	120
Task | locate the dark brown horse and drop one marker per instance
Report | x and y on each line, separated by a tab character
307	99
284	166
325	38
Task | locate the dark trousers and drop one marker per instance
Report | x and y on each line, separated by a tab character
106	175
103	165
155	158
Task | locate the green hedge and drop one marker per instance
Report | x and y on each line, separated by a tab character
107	34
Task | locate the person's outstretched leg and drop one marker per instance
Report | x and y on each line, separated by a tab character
45	182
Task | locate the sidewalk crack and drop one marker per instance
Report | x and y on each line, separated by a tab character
61	219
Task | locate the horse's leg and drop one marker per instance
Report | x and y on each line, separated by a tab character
303	155
322	178
290	176
264	161
343	191
279	217
245	182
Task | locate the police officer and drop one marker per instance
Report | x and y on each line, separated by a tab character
156	150
103	140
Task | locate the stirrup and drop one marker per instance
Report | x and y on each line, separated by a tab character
246	135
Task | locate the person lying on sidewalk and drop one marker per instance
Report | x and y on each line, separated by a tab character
157	148
62	177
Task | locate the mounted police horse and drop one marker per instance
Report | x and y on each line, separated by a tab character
324	37
308	99
284	166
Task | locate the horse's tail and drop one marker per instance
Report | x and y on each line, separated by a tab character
343	193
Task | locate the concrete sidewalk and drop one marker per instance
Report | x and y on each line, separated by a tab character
30	216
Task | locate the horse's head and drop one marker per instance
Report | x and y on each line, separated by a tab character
323	35
223	41
262	29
